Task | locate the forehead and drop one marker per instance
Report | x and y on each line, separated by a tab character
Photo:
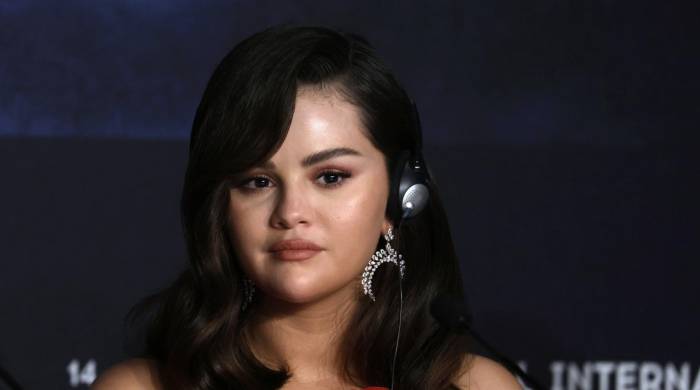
323	119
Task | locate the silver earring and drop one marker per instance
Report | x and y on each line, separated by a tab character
248	292
386	255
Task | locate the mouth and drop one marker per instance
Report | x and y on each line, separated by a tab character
294	250
295	254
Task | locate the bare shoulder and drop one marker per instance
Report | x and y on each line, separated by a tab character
136	374
481	373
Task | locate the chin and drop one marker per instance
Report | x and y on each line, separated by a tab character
296	292
299	295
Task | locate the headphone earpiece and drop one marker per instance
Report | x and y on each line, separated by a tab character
413	190
410	189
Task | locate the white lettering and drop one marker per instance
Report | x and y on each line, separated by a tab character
650	376
677	380
557	369
579	379
621	375
603	369
696	384
86	376
625	376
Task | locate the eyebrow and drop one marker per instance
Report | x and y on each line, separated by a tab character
320	156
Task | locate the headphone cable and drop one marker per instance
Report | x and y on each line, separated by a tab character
398	332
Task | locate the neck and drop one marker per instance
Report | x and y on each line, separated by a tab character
303	337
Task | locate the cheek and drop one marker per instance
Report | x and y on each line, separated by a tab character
246	232
357	226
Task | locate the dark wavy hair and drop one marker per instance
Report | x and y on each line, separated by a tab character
198	330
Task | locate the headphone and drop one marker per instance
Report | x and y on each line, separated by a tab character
410	179
408	195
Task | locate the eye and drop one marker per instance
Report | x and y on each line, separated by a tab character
255	183
333	178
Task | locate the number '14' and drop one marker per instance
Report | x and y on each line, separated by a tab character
84	376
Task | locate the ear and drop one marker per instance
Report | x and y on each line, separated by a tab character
386	225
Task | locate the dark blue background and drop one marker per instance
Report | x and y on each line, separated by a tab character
562	135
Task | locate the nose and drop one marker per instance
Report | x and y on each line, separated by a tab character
291	208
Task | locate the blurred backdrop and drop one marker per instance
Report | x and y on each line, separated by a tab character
563	138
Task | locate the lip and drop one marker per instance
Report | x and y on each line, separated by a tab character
294	250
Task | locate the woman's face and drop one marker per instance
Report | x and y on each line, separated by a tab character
336	201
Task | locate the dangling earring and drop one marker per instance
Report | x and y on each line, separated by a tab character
248	292
386	255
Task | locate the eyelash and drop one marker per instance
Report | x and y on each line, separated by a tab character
340	174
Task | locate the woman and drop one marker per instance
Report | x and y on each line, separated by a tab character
305	272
